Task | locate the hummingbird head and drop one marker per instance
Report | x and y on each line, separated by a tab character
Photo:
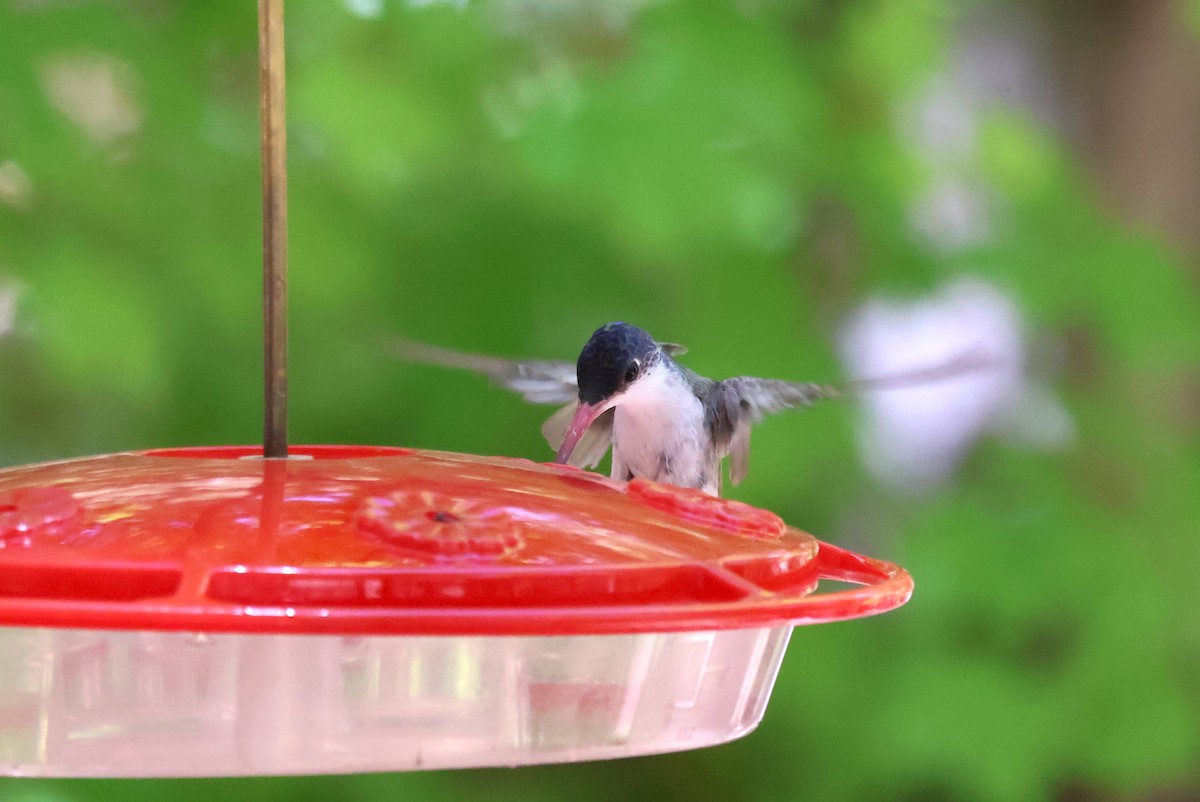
615	357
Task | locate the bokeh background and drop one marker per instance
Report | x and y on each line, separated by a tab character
807	190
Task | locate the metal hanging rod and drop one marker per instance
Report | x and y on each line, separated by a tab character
274	184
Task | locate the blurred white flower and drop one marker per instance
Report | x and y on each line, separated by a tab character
368	9
94	91
996	61
15	186
8	307
558	37
511	102
952	215
913	438
952	212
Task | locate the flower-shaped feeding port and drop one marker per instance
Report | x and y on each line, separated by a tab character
443	526
192	611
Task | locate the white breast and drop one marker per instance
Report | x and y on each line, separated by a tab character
659	432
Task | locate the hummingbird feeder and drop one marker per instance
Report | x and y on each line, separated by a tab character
328	609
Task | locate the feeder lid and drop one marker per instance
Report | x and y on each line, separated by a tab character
369	540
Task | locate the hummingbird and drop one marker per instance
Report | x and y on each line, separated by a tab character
663	421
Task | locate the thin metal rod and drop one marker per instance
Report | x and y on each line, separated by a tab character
274	183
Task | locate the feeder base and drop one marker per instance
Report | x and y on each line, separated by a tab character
91	703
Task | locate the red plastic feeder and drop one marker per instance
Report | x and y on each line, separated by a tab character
207	612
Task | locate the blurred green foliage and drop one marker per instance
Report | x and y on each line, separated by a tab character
503	177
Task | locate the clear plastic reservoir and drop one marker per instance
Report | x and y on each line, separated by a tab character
110	703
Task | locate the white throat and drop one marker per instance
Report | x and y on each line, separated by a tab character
659	432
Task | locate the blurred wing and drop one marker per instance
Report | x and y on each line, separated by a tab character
744	400
964	364
673	349
592	446
760	397
538	381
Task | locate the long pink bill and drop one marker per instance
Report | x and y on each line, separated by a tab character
584	416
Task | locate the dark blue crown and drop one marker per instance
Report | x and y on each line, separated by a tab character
613	357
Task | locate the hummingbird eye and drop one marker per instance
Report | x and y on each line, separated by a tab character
632	371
